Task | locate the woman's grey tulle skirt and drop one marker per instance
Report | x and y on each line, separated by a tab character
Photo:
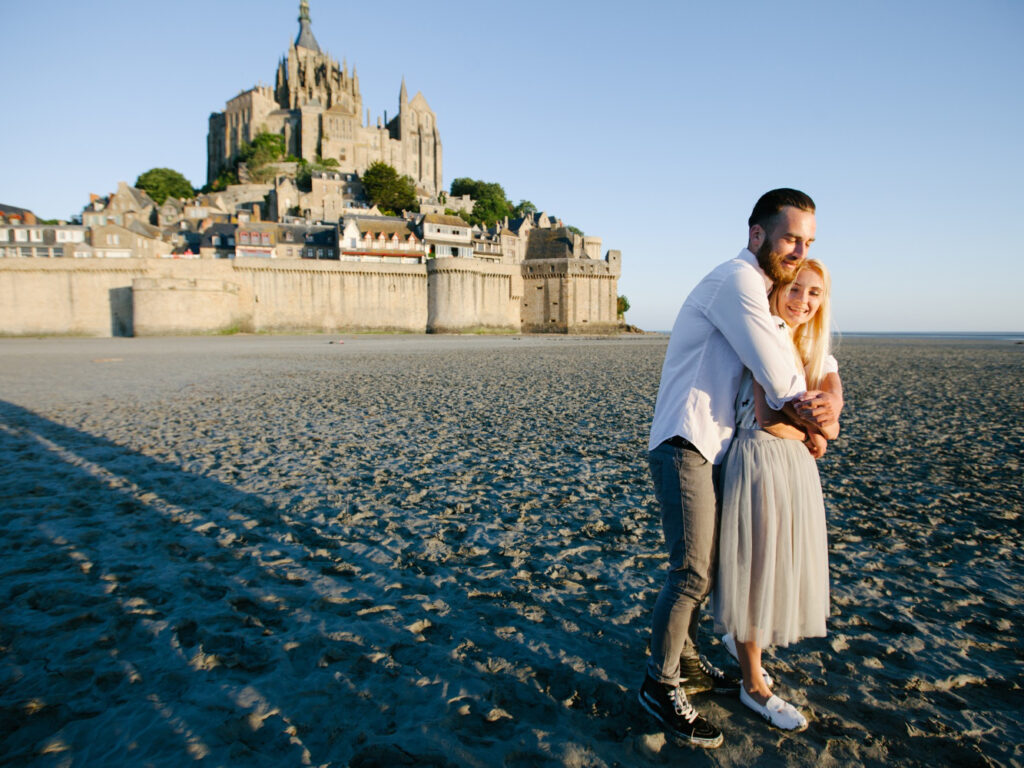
772	583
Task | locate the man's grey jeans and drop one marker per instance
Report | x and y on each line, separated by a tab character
685	484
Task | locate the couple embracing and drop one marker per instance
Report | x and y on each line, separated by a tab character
749	398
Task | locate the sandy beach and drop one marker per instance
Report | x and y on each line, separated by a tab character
443	551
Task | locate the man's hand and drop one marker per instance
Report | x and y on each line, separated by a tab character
818	407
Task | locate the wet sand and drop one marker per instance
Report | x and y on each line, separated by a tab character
443	551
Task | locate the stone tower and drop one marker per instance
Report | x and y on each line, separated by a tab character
316	106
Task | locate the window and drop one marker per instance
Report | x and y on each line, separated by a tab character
265	238
216	240
319	253
113	239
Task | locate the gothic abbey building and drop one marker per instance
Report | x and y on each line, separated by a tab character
318	109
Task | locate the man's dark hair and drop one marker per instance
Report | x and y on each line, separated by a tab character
772	202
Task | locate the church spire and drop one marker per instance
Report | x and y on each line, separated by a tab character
305	38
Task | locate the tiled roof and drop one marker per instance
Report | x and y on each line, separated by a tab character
13	209
443	218
550	244
146	230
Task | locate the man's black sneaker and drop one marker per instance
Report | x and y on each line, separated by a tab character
681	721
700	675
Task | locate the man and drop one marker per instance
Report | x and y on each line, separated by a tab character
723	327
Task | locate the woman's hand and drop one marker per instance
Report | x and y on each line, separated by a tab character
816	444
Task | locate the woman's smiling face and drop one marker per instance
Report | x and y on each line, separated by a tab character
799	301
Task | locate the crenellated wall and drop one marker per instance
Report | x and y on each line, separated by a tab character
124	297
465	294
82	297
165	306
147	297
571	295
291	294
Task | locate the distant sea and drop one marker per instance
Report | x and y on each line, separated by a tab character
964	335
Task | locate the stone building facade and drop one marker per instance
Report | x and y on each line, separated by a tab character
42	241
317	107
567	286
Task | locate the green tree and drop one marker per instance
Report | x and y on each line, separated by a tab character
161	183
389	191
265	148
525	208
623	306
460	213
305	170
224	179
490	204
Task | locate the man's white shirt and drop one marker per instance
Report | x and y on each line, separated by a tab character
723	327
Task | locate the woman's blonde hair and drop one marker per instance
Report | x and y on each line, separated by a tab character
813	339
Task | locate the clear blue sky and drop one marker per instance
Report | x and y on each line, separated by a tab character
654	125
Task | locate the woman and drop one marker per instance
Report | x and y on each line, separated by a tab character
772	585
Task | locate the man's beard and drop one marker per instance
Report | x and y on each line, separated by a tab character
771	262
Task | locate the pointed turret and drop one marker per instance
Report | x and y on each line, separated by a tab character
403	96
305	38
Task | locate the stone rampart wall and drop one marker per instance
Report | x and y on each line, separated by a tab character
77	297
287	295
570	295
146	297
164	306
465	294
124	297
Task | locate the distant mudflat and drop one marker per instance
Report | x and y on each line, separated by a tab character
444	550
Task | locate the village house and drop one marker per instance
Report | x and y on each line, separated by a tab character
40	241
447	236
134	240
382	239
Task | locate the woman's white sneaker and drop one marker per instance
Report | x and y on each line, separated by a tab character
779	713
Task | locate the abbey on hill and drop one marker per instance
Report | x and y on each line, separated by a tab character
316	106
